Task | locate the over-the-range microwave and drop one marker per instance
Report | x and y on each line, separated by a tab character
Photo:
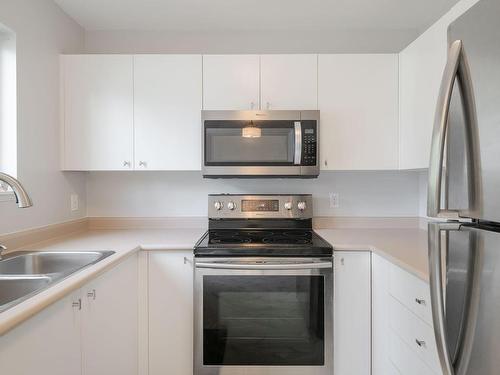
251	144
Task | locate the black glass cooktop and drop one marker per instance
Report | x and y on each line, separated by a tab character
262	242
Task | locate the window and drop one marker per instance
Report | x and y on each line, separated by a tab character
8	104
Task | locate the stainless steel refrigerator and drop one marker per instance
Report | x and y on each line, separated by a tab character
464	189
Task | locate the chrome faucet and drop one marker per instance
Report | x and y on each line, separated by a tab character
22	198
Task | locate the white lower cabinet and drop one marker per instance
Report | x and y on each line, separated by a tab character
170	312
110	320
402	337
48	343
80	335
352	313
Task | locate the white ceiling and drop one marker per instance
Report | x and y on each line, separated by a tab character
256	15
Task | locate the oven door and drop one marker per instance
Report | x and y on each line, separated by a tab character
263	316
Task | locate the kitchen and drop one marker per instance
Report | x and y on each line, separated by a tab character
201	190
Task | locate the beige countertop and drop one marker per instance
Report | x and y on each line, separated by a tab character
406	248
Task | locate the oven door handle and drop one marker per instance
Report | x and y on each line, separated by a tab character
260	266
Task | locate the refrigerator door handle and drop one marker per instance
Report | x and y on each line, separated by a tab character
437	298
459	365
456	68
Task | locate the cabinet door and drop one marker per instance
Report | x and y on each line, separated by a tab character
289	82
358	100
170	313
381	364
109	321
97	112
47	343
352	313
231	82
167	105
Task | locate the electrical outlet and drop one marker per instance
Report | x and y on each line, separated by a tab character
74	202
334	200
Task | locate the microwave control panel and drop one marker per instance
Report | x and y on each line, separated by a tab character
309	142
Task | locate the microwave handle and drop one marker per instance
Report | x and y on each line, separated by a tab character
298	143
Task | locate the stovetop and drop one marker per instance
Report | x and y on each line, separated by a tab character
262	242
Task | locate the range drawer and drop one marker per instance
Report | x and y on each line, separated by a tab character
411	292
405	360
418	335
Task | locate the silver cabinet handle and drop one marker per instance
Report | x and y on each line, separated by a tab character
143	164
456	68
298	143
420	343
77	304
91	294
126	164
420	301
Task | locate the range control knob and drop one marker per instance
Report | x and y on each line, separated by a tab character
218	205
288	205
231	205
301	206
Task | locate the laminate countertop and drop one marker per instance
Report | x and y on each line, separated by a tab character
406	248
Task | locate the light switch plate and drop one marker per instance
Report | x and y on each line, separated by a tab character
74	202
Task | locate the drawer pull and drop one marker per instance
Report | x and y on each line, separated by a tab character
420	343
420	301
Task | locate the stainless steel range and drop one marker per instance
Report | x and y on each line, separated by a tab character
263	289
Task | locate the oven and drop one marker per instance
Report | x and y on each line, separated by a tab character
263	315
260	144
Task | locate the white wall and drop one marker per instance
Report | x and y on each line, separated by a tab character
43	31
349	41
156	194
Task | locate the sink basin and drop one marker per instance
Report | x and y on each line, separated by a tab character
44	263
13	288
24	274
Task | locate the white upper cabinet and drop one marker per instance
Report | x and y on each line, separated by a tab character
97	112
167	105
231	82
289	82
358	100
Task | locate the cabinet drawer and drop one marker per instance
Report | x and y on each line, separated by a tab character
411	292
418	335
405	360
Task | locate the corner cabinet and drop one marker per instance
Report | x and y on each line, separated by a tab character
358	100
352	313
97	96
92	331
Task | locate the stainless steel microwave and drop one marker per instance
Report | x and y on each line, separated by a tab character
260	144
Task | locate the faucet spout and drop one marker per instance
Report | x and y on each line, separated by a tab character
22	198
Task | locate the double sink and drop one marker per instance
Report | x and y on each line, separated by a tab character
24	274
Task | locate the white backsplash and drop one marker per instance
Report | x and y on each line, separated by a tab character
167	194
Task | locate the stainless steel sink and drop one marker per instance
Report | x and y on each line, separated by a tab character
24	274
43	263
13	288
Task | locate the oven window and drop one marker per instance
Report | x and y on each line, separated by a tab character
239	144
263	320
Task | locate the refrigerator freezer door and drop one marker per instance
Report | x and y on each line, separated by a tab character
479	31
465	262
